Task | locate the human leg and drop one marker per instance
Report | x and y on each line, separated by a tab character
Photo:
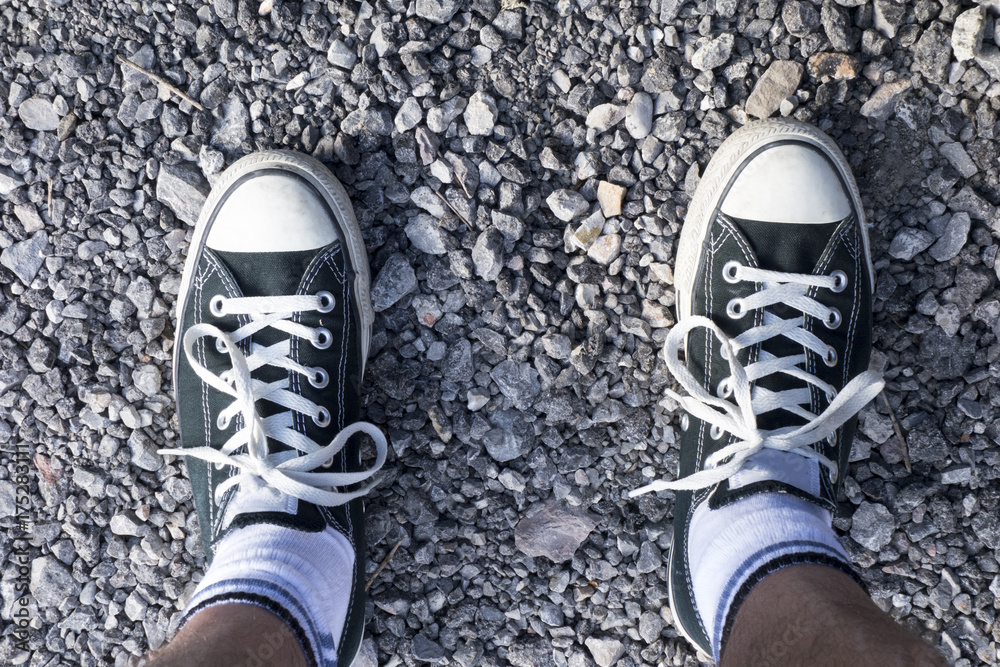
231	635
819	616
274	319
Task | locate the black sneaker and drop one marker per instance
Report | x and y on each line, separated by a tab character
274	320
774	284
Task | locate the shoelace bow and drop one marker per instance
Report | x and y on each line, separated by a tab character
291	472
740	419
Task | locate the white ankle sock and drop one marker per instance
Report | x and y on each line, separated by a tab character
748	539
304	578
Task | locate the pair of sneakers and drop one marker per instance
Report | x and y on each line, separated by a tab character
773	283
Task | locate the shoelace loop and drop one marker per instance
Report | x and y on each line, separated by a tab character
292	472
740	419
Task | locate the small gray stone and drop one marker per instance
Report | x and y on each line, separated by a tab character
780	80
967	34
487	253
956	232
25	258
800	18
649	559
517	381
605	116
481	114
511	436
650	626
556	531
437	11
957	475
872	526
9	181
8	502
372	121
51	582
959	158
639	115
989	60
909	242
439	118
426	235
135	607
409	115
394	281
183	189
147	379
932	53
27	214
887	16
713	53
368	655
38	113
425	650
231	130
567	204
882	102
144	454
606	652
605	249
341	55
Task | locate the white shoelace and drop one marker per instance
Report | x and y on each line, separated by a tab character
289	472
740	419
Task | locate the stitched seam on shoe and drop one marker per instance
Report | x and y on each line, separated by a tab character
206	414
216	267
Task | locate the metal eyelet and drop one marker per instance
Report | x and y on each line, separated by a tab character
222	422
323	418
834	475
226	376
840	279
326	302
323	339
724	351
830	395
320	379
221	346
685	422
716	432
729	271
725	388
735	309
215	305
832	439
831	357
834	319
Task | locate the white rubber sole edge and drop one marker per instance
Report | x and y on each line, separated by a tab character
721	169
336	197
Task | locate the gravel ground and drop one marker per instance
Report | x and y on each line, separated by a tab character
521	171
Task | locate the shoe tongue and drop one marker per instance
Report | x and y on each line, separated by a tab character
786	248
789	248
268	274
771	465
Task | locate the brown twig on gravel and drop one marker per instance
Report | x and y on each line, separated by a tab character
381	566
453	209
160	80
899	432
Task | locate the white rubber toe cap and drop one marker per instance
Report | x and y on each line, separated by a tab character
788	183
271	213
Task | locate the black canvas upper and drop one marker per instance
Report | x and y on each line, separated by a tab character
234	274
790	248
